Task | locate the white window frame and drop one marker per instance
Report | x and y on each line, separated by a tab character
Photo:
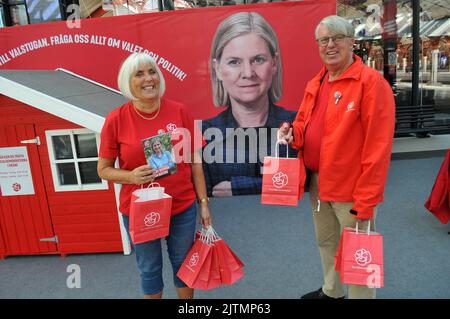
53	161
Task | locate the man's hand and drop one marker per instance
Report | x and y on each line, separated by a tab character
284	134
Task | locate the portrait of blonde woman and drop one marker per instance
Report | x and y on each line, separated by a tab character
246	78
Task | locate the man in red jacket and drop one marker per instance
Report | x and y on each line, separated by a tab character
344	132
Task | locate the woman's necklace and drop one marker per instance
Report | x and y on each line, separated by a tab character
148	118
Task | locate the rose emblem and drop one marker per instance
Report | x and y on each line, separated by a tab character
151	219
363	257
171	127
194	259
280	180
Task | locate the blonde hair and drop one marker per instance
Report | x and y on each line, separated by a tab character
236	25
128	69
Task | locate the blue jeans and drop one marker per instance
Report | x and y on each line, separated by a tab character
179	242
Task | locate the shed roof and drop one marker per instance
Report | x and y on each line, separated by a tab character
63	94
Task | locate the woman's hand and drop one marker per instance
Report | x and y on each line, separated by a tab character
141	175
205	215
285	134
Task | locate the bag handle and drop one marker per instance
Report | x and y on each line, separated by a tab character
209	235
276	149
151	184
368	228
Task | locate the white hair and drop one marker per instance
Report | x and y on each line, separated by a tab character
336	25
129	68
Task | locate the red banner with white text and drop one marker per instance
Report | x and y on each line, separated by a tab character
180	41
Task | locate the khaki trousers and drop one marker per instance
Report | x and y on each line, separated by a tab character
329	220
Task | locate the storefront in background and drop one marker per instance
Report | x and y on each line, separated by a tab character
384	40
23	12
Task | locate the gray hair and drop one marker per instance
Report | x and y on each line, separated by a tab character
336	25
128	69
238	24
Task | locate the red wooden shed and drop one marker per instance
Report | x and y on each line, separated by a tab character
51	198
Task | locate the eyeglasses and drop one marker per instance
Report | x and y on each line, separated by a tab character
336	39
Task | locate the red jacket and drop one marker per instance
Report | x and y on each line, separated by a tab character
439	201
357	139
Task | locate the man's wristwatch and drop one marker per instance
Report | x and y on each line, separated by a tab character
203	200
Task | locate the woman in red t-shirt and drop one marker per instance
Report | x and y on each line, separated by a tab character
146	115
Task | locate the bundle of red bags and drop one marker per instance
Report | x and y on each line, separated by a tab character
210	263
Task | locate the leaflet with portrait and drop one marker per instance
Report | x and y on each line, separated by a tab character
159	153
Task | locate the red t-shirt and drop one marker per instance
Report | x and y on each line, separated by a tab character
122	136
314	131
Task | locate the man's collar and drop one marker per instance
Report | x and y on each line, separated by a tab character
352	72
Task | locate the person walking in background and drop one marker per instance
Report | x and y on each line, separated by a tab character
344	132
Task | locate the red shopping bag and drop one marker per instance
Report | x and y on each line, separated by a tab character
230	267
280	184
149	219
210	263
362	259
193	264
204	273
215	279
338	257
209	274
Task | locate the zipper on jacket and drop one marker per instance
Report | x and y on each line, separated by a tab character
306	127
321	148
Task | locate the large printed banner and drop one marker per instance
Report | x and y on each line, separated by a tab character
179	40
265	70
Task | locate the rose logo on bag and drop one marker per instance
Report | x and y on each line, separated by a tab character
280	180
194	259
151	219
363	257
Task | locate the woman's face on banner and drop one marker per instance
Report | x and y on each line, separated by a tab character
246	69
144	83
